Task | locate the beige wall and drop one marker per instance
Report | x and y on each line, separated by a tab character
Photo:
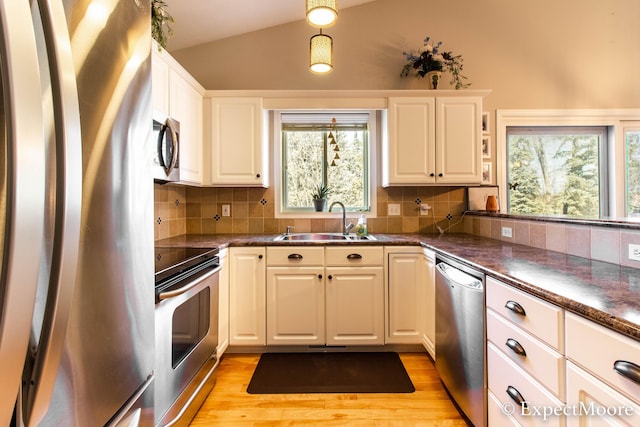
531	54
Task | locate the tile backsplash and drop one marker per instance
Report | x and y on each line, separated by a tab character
198	210
601	243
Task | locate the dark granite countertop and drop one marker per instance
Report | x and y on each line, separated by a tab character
602	292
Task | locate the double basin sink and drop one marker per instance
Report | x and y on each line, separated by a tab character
322	237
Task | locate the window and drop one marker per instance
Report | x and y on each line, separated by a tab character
592	156
326	148
557	170
632	171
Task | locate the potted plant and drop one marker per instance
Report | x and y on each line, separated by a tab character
160	20
429	62
319	196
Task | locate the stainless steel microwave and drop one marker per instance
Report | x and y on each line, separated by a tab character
166	159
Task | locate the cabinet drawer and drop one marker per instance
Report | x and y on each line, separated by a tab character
583	336
353	256
539	360
495	413
504	375
544	320
294	256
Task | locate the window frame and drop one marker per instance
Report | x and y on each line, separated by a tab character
603	157
614	120
370	167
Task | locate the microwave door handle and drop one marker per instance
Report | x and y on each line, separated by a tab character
41	379
23	152
174	145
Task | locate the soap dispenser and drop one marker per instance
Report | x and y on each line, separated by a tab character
361	227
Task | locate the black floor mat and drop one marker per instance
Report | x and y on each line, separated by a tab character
356	372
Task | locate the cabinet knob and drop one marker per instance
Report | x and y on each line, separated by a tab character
516	347
257	175
432	174
628	370
330	277
319	276
440	175
259	256
515	395
516	308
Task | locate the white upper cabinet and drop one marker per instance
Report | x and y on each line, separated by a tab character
159	81
433	140
178	95
409	151
239	155
458	140
185	105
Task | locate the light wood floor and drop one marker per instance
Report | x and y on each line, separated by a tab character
230	405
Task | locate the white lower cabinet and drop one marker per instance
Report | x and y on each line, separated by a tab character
295	305
406	295
519	394
325	296
429	335
593	403
247	296
354	295
223	303
355	306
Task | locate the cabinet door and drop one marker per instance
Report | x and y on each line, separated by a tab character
409	152
429	337
406	298
295	305
354	306
159	82
185	105
247	298
238	146
458	140
223	303
597	404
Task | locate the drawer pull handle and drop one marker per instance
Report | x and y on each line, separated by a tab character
516	347
515	395
515	307
354	256
628	370
297	257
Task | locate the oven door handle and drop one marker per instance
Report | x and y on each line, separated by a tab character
186	288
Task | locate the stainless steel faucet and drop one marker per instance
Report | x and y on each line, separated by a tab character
345	227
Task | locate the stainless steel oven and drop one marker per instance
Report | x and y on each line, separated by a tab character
186	331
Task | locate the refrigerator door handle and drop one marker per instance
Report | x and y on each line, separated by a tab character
41	380
23	155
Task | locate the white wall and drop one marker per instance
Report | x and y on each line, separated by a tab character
531	54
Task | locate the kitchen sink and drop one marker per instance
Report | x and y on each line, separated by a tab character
322	237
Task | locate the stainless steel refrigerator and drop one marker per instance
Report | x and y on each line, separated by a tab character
76	211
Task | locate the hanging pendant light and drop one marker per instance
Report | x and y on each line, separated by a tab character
321	53
322	13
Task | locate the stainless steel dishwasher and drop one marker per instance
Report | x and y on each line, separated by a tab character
460	336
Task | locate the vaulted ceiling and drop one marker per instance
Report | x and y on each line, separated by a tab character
202	21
